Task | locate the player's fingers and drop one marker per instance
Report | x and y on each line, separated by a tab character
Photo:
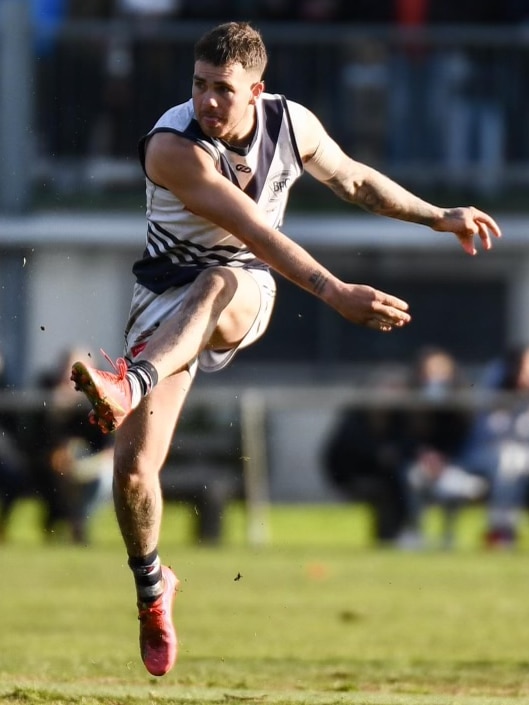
486	220
387	321
484	235
390	314
393	301
467	243
382	326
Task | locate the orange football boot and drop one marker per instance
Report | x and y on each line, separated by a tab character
158	641
108	392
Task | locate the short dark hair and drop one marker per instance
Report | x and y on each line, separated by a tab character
232	43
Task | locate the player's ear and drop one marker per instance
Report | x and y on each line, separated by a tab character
257	89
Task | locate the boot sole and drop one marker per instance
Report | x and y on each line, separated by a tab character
104	414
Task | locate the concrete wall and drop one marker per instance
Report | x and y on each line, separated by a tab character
77	299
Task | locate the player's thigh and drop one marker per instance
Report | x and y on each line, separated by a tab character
238	315
143	441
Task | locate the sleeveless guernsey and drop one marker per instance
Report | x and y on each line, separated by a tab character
181	244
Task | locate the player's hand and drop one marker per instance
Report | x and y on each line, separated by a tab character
466	223
366	306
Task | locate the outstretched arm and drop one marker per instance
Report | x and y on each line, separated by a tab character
367	188
376	193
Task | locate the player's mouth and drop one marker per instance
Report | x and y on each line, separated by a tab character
211	122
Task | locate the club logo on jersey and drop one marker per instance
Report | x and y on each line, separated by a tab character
244	168
280	183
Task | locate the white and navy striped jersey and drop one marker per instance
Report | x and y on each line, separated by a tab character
181	244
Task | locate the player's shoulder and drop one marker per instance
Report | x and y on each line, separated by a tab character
301	118
291	105
178	117
307	128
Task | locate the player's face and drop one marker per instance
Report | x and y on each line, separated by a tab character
224	100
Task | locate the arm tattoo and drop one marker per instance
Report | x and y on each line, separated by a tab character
364	195
318	281
340	190
383	199
374	201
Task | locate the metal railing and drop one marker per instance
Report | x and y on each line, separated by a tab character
251	407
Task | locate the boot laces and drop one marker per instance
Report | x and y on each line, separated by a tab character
152	611
119	366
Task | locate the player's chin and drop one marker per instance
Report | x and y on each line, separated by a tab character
212	128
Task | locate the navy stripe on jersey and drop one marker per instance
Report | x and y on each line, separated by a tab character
161	268
227	171
272	120
294	143
187	251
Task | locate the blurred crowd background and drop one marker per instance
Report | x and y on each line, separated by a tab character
433	93
404	84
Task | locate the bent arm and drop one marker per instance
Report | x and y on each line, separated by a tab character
189	172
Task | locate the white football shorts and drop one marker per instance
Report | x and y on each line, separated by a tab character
148	310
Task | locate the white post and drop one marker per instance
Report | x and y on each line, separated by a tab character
253	420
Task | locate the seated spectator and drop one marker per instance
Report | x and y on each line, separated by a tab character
14	478
498	448
363	460
436	434
73	459
403	458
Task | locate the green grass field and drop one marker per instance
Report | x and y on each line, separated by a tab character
319	617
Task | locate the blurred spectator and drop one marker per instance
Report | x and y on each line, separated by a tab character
363	459
498	448
467	96
13	471
401	459
412	136
14	478
445	102
52	453
124	110
72	461
69	74
437	433
47	16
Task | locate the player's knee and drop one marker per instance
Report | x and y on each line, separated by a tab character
217	283
131	467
